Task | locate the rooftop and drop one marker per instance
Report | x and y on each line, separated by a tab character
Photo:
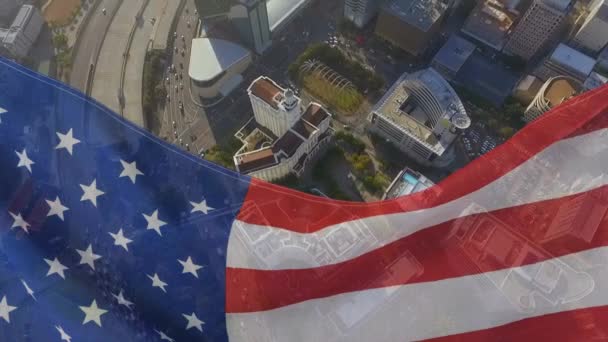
420	13
560	5
211	57
454	53
407	182
288	144
256	160
19	23
489	23
572	59
265	89
561	89
595	80
315	114
281	11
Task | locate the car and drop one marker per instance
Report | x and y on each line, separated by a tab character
181	65
183	38
103	10
168	98
176	49
181	106
181	85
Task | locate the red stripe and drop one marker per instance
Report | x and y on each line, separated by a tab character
448	250
268	204
587	324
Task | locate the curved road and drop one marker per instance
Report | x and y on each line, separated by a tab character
91	40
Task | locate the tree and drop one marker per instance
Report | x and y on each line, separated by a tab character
60	41
506	132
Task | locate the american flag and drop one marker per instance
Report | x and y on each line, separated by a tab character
110	234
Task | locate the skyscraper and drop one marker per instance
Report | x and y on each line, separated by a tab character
360	12
593	34
251	20
540	22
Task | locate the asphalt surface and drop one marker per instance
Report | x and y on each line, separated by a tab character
91	40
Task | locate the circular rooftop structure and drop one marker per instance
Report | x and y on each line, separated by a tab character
210	58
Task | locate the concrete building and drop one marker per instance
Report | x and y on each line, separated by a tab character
360	12
491	21
540	22
407	182
284	136
215	67
23	32
421	114
602	59
566	61
551	94
8	9
452	56
594	80
250	17
593	34
526	89
410	24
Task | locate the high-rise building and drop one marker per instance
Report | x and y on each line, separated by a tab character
410	24
23	32
421	114
7	9
540	22
593	34
565	61
283	137
250	17
406	183
490	22
551	94
360	12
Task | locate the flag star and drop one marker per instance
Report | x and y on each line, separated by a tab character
202	207
121	240
121	300
56	208
194	322
163	336
2	111
24	160
88	257
55	267
67	141
92	313
64	335
190	267
28	289
154	223
91	192
18	221
6	309
156	282
130	170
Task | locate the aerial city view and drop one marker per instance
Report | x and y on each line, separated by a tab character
359	100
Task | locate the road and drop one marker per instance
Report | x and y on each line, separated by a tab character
91	40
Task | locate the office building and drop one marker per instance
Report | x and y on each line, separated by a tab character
360	12
594	80
216	66
593	34
526	89
421	114
8	9
490	22
284	137
552	94
407	182
538	25
23	32
250	17
602	60
566	61
410	24
452	56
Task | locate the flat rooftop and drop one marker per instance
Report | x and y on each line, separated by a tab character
561	89
407	182
210	57
572	59
489	22
280	12
420	13
560	5
454	53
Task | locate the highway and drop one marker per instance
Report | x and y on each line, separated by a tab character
91	40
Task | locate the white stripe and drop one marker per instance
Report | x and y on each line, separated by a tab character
433	309
567	167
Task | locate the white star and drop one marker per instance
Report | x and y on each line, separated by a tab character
121	300
28	290
92	313
163	336
130	170
6	309
67	141
156	282
56	208
202	207
154	223
18	221
88	257
91	192
190	267
194	322
2	111
55	268
24	160
64	335
121	240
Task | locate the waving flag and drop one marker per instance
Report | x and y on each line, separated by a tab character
109	234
